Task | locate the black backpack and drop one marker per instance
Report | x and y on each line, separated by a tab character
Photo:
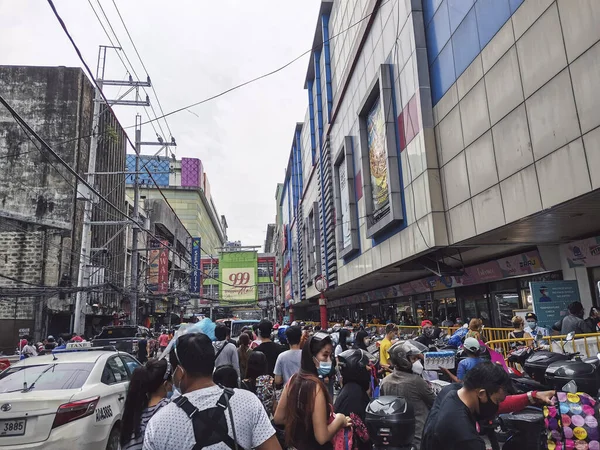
210	425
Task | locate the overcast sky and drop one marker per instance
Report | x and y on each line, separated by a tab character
193	50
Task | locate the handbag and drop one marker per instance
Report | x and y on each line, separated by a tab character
343	439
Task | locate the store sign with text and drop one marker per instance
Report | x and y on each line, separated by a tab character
195	279
238	275
583	253
163	268
551	298
518	265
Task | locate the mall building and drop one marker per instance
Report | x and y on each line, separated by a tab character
449	157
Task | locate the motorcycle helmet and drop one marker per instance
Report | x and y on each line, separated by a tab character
354	367
281	334
401	351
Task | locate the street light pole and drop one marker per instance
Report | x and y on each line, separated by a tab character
321	285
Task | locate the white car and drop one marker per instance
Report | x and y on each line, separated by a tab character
71	399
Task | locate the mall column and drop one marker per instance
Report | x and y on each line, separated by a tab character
321	285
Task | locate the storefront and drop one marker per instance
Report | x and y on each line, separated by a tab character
494	291
585	253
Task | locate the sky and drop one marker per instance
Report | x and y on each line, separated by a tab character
194	50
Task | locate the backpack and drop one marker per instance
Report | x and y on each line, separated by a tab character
210	425
264	389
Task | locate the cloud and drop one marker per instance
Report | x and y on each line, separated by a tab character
192	51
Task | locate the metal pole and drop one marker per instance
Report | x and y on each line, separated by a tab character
136	228
86	231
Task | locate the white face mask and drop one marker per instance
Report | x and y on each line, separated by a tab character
417	367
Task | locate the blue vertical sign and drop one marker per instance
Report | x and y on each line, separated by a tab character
551	298
195	280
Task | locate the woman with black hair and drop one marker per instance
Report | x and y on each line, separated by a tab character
259	381
361	339
148	392
305	406
343	342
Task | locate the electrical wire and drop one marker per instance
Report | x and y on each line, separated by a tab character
143	65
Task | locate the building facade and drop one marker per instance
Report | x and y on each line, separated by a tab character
187	189
41	215
447	157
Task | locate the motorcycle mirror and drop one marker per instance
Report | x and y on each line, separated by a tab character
570	387
570	336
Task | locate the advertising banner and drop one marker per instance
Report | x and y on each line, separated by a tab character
551	298
584	253
195	279
377	157
153	258
522	264
238	273
163	268
345	202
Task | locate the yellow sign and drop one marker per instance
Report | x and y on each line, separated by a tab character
241	284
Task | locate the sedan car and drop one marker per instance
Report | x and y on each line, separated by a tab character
72	398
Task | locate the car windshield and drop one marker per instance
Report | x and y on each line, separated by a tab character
45	377
117	333
236	327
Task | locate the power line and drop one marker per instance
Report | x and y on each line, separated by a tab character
268	74
143	65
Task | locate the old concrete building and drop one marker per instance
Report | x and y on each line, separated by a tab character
40	216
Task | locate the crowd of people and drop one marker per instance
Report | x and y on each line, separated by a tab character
274	388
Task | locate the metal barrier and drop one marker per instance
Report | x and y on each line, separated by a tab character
492	334
587	344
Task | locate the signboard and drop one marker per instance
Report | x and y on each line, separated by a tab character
527	263
288	289
377	157
163	268
238	275
345	203
584	253
153	258
23	332
195	279
551	298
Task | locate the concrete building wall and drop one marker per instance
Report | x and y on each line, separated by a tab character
395	37
518	131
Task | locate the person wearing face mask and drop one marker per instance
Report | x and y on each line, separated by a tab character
305	407
532	326
149	391
471	349
427	333
207	415
451	423
406	381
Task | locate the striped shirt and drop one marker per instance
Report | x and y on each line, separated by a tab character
136	443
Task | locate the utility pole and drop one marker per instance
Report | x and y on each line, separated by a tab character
86	231
84	193
136	226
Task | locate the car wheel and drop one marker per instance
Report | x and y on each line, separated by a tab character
113	439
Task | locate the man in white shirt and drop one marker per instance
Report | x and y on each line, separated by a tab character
240	418
288	362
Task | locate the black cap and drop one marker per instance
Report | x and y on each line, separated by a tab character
530	315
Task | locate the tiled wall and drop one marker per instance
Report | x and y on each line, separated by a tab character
518	131
397	37
457	31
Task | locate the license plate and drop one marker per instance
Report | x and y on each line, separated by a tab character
12	427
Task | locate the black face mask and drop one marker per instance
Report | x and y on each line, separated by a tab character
487	411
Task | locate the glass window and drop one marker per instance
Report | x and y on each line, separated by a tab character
465	43
45	377
117	367
491	15
130	363
438	32
457	10
506	302
442	73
